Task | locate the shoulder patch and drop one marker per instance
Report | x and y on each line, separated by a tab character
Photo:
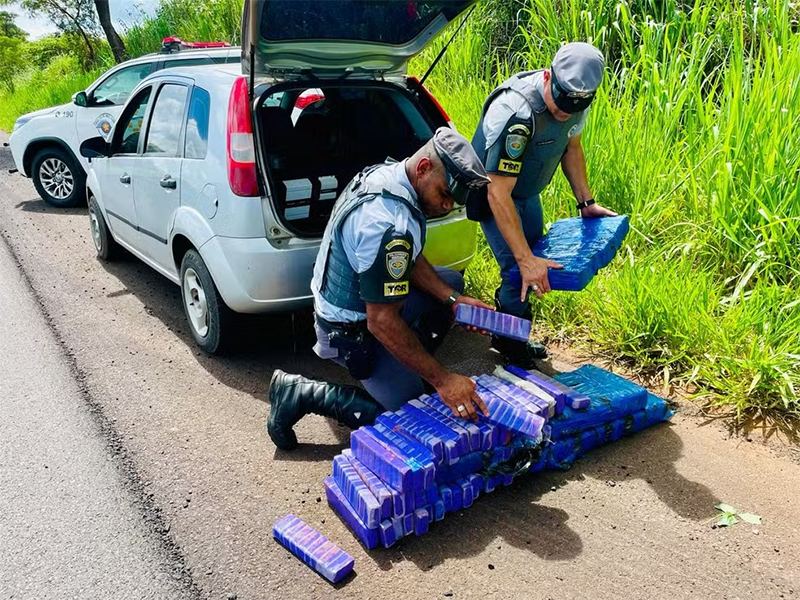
520	129
397	263
395	289
509	166
515	145
398	242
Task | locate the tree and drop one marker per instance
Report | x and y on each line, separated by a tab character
116	43
8	28
11	61
67	15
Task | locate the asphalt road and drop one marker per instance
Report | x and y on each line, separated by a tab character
172	442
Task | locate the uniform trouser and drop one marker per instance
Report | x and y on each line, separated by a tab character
530	216
393	384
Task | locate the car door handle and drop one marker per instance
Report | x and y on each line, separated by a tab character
168	182
124	178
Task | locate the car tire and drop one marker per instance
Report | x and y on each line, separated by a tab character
105	245
211	322
58	178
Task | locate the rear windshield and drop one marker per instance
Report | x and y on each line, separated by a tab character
381	21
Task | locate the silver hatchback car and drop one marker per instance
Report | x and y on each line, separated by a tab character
212	178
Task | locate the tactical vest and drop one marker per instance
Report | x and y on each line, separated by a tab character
549	143
340	285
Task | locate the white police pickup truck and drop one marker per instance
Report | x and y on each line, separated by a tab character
45	144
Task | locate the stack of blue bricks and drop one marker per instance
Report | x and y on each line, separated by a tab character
581	246
415	465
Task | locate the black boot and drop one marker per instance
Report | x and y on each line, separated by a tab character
521	354
292	397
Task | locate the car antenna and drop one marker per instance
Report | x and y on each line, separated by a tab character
441	53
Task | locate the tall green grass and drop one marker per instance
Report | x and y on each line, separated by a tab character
695	135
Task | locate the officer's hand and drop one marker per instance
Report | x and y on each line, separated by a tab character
595	210
534	275
472	302
459	393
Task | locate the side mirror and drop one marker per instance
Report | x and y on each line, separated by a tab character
80	99
96	147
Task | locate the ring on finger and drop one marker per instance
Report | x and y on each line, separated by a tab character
461	408
535	287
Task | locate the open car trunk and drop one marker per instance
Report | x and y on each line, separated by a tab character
312	141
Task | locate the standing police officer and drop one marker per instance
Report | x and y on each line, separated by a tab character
530	124
381	308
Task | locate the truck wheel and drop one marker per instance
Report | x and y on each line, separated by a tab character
58	178
210	320
106	246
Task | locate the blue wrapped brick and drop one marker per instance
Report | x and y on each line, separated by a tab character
485	432
387	533
313	548
446	426
555	388
356	491
381	460
581	246
368	537
544	398
421	520
382	493
515	395
511	417
413	451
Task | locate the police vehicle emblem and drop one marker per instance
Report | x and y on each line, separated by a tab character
103	123
515	145
396	264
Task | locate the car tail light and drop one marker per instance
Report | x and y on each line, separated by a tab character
242	175
307	100
433	99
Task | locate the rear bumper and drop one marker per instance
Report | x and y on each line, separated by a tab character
254	277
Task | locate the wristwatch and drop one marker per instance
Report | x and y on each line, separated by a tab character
585	203
452	298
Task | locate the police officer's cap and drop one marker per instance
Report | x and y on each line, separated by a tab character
464	169
575	76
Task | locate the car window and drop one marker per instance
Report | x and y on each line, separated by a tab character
129	126
188	62
197	124
116	89
164	132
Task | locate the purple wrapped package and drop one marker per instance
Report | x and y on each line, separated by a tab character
408	524
458	496
382	493
477	483
382	461
413	450
447	497
386	533
530	387
484	431
421	520
466	493
446	428
504	325
397	525
438	510
514	395
356	492
451	440
313	548
510	417
421	472
368	537
413	429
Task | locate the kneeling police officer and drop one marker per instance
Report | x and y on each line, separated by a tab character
381	309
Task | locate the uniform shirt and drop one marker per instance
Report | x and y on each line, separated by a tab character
508	104
361	233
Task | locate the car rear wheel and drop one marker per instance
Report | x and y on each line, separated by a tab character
211	322
58	178
106	246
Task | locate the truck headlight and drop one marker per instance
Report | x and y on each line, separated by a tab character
20	122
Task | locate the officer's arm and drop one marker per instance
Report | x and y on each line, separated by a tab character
425	278
387	325
573	163
506	217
